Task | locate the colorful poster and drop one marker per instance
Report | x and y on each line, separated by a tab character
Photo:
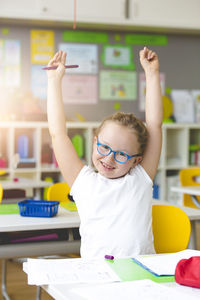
142	89
118	56
120	85
86	56
42	46
10	63
39	82
80	89
85	37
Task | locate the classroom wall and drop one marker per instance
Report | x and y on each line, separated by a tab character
179	60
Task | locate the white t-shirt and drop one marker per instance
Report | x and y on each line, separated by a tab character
115	214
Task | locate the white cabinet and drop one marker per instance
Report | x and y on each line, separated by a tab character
40	162
131	14
37	9
165	13
103	11
87	11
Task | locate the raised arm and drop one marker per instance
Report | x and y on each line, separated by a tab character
68	160
153	111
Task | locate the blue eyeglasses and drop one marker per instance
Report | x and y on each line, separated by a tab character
119	156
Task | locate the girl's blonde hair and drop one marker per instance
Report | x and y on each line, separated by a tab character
130	121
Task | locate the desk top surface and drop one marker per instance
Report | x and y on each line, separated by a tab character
24	183
64	219
191	190
15	222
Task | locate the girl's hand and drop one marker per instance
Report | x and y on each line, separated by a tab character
58	60
149	60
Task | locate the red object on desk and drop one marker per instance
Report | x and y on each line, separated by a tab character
188	272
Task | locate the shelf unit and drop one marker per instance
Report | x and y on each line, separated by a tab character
175	149
38	137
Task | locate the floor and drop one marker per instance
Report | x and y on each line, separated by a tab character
17	286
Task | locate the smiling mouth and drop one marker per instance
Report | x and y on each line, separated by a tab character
107	167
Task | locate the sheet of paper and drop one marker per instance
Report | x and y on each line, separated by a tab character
42	46
142	89
140	289
38	82
84	55
58	271
183	106
118	85
10	58
80	89
165	264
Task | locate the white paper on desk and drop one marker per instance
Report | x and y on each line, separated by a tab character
58	271
165	264
140	289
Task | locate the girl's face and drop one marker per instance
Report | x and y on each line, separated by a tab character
118	138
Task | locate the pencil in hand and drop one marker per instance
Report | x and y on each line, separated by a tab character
55	67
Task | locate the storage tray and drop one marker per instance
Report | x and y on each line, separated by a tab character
38	208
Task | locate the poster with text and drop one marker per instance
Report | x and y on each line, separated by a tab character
10	63
142	89
86	56
80	89
42	46
38	82
118	85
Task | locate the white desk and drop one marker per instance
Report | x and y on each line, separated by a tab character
63	291
25	184
193	191
13	223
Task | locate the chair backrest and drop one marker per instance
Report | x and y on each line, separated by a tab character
171	228
188	177
1	193
58	192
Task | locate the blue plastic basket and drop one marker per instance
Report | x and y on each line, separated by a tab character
38	208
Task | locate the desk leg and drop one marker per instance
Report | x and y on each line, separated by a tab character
38	293
3	284
192	242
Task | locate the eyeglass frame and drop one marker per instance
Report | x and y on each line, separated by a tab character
112	151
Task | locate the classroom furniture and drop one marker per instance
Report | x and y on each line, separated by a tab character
119	14
171	228
16	223
24	183
127	270
174	157
188	177
1	193
64	219
58	192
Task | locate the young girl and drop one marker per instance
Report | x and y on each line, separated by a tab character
114	203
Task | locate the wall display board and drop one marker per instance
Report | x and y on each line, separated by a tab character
108	78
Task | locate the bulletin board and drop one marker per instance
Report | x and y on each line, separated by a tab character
109	78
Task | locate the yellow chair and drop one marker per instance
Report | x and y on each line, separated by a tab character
171	228
2	172
188	177
1	193
58	192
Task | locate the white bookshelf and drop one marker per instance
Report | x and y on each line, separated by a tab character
175	148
